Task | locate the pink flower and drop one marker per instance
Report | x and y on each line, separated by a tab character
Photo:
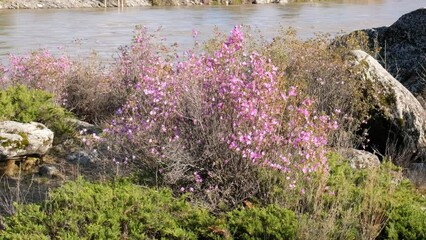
292	92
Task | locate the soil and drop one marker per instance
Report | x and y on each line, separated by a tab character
29	185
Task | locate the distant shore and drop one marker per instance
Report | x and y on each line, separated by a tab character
46	4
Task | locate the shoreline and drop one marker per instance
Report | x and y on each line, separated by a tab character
64	4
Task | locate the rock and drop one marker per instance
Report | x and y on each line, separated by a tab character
397	116
265	1
417	166
416	172
49	171
80	157
24	139
403	49
84	127
359	159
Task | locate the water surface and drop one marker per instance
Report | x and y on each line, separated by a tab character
104	30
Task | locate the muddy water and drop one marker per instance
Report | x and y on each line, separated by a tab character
104	30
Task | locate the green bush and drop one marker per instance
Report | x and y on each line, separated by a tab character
122	210
271	222
18	103
349	203
406	221
82	210
407	215
381	197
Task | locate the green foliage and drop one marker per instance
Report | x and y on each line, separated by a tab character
82	210
350	204
23	105
406	222
122	210
407	215
18	103
271	222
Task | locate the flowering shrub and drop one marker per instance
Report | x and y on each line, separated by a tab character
192	121
86	87
320	70
199	122
39	70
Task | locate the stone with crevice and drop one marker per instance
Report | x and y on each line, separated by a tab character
397	116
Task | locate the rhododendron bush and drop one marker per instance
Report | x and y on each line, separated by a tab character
39	70
204	122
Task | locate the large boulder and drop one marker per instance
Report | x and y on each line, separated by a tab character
402	49
24	139
397	117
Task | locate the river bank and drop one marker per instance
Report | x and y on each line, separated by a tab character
48	4
43	4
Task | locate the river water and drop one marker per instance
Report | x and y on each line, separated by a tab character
80	30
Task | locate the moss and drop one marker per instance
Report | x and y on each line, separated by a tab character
15	144
24	142
47	142
400	122
5	143
388	99
9	143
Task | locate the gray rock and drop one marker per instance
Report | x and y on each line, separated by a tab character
80	157
397	116
416	172
265	1
84	127
49	171
403	49
359	159
417	166
24	139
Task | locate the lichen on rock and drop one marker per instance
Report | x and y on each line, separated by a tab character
24	139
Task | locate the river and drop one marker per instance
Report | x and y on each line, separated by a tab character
80	30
